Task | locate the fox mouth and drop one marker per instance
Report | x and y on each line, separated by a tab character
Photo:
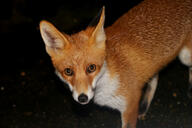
84	98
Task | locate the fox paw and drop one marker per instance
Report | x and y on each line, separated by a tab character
142	116
143	108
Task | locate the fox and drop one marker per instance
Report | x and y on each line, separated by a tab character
112	65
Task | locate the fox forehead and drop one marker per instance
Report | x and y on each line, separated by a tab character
78	59
77	56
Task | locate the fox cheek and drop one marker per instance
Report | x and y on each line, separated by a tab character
62	79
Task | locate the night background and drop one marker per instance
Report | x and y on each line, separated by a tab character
31	95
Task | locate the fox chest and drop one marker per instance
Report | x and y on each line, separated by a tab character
105	93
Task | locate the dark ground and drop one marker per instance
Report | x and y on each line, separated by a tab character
31	96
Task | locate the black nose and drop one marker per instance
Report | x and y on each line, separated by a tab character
83	98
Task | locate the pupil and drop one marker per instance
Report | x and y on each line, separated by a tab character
68	70
91	68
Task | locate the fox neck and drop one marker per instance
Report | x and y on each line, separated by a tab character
106	89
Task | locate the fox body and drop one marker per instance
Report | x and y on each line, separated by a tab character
112	65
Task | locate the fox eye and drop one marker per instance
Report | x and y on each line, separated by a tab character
91	68
68	72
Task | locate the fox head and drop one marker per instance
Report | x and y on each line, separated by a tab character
78	58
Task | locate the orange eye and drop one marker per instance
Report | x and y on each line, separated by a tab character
68	72
91	68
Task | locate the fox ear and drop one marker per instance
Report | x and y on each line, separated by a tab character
53	39
98	35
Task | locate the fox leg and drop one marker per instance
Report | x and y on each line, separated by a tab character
129	116
147	96
185	57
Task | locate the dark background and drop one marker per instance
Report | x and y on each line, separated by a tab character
31	96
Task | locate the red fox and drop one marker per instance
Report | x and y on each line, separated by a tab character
111	65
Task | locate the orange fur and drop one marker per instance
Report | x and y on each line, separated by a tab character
149	37
138	45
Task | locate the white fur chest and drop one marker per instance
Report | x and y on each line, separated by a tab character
105	93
